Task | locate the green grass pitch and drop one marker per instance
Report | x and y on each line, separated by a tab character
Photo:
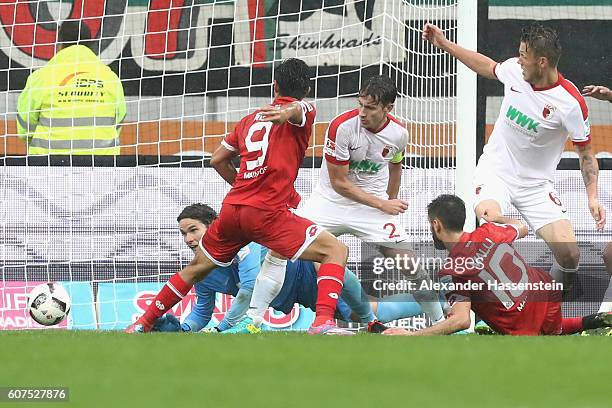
111	369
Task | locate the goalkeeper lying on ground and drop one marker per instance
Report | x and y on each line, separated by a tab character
300	286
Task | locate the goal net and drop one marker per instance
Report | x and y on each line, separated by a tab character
105	227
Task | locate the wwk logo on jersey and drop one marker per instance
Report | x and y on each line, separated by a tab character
365	166
524	121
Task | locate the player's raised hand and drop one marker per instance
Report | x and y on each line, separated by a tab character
597	92
272	113
598	211
394	206
396	331
434	35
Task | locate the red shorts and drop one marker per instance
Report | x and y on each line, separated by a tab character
279	230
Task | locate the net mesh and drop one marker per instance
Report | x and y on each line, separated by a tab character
190	70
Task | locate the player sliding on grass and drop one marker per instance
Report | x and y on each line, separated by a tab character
238	280
271	143
358	189
483	259
540	111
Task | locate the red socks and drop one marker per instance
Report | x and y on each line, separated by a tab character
571	325
173	291
329	285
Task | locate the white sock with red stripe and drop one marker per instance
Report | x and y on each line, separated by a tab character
606	305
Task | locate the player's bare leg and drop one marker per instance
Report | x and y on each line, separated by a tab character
604	315
560	238
332	255
428	299
173	291
606	304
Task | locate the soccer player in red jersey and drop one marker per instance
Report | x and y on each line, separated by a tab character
271	143
484	273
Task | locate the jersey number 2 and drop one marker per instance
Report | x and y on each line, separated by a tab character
392	229
259	145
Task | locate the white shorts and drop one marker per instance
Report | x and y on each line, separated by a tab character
539	205
366	223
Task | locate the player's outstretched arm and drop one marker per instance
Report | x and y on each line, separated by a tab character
338	176
479	63
598	92
202	311
277	114
239	307
590	174
221	161
457	320
501	219
248	268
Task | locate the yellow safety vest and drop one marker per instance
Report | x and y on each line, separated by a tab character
72	105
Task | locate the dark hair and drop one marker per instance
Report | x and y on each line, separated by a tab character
381	88
201	212
450	210
544	41
293	78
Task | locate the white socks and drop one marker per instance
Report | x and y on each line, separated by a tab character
557	272
606	304
268	284
563	275
429	300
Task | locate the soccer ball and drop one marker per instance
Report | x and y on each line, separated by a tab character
49	303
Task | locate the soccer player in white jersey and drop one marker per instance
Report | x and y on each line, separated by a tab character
358	187
540	111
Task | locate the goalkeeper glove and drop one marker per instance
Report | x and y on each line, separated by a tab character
167	323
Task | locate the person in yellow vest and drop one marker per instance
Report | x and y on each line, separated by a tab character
75	103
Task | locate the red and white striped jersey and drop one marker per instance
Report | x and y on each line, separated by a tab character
533	125
367	154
